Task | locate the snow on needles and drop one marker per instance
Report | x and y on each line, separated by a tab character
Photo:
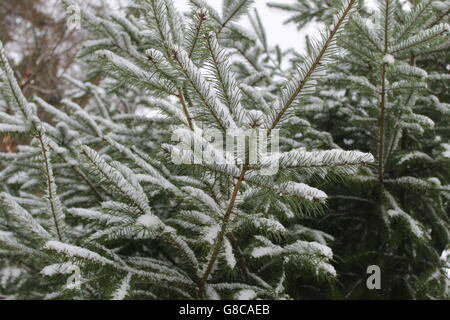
149	221
75	252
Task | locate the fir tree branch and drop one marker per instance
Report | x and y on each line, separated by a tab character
55	205
420	38
83	177
197	32
222	233
14	88
439	19
381	127
185	109
382	106
203	90
411	20
159	14
237	9
398	131
247	58
225	81
239	257
292	95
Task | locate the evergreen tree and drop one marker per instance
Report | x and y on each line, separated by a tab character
388	94
96	189
106	202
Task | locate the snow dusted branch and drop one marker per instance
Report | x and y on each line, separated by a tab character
313	66
52	196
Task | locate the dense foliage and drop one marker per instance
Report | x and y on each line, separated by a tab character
121	193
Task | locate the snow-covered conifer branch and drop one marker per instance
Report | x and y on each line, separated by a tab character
233	11
158	17
156	209
13	87
127	69
133	192
315	159
54	203
24	218
223	78
303	80
122	290
420	38
203	91
196	30
202	4
161	180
